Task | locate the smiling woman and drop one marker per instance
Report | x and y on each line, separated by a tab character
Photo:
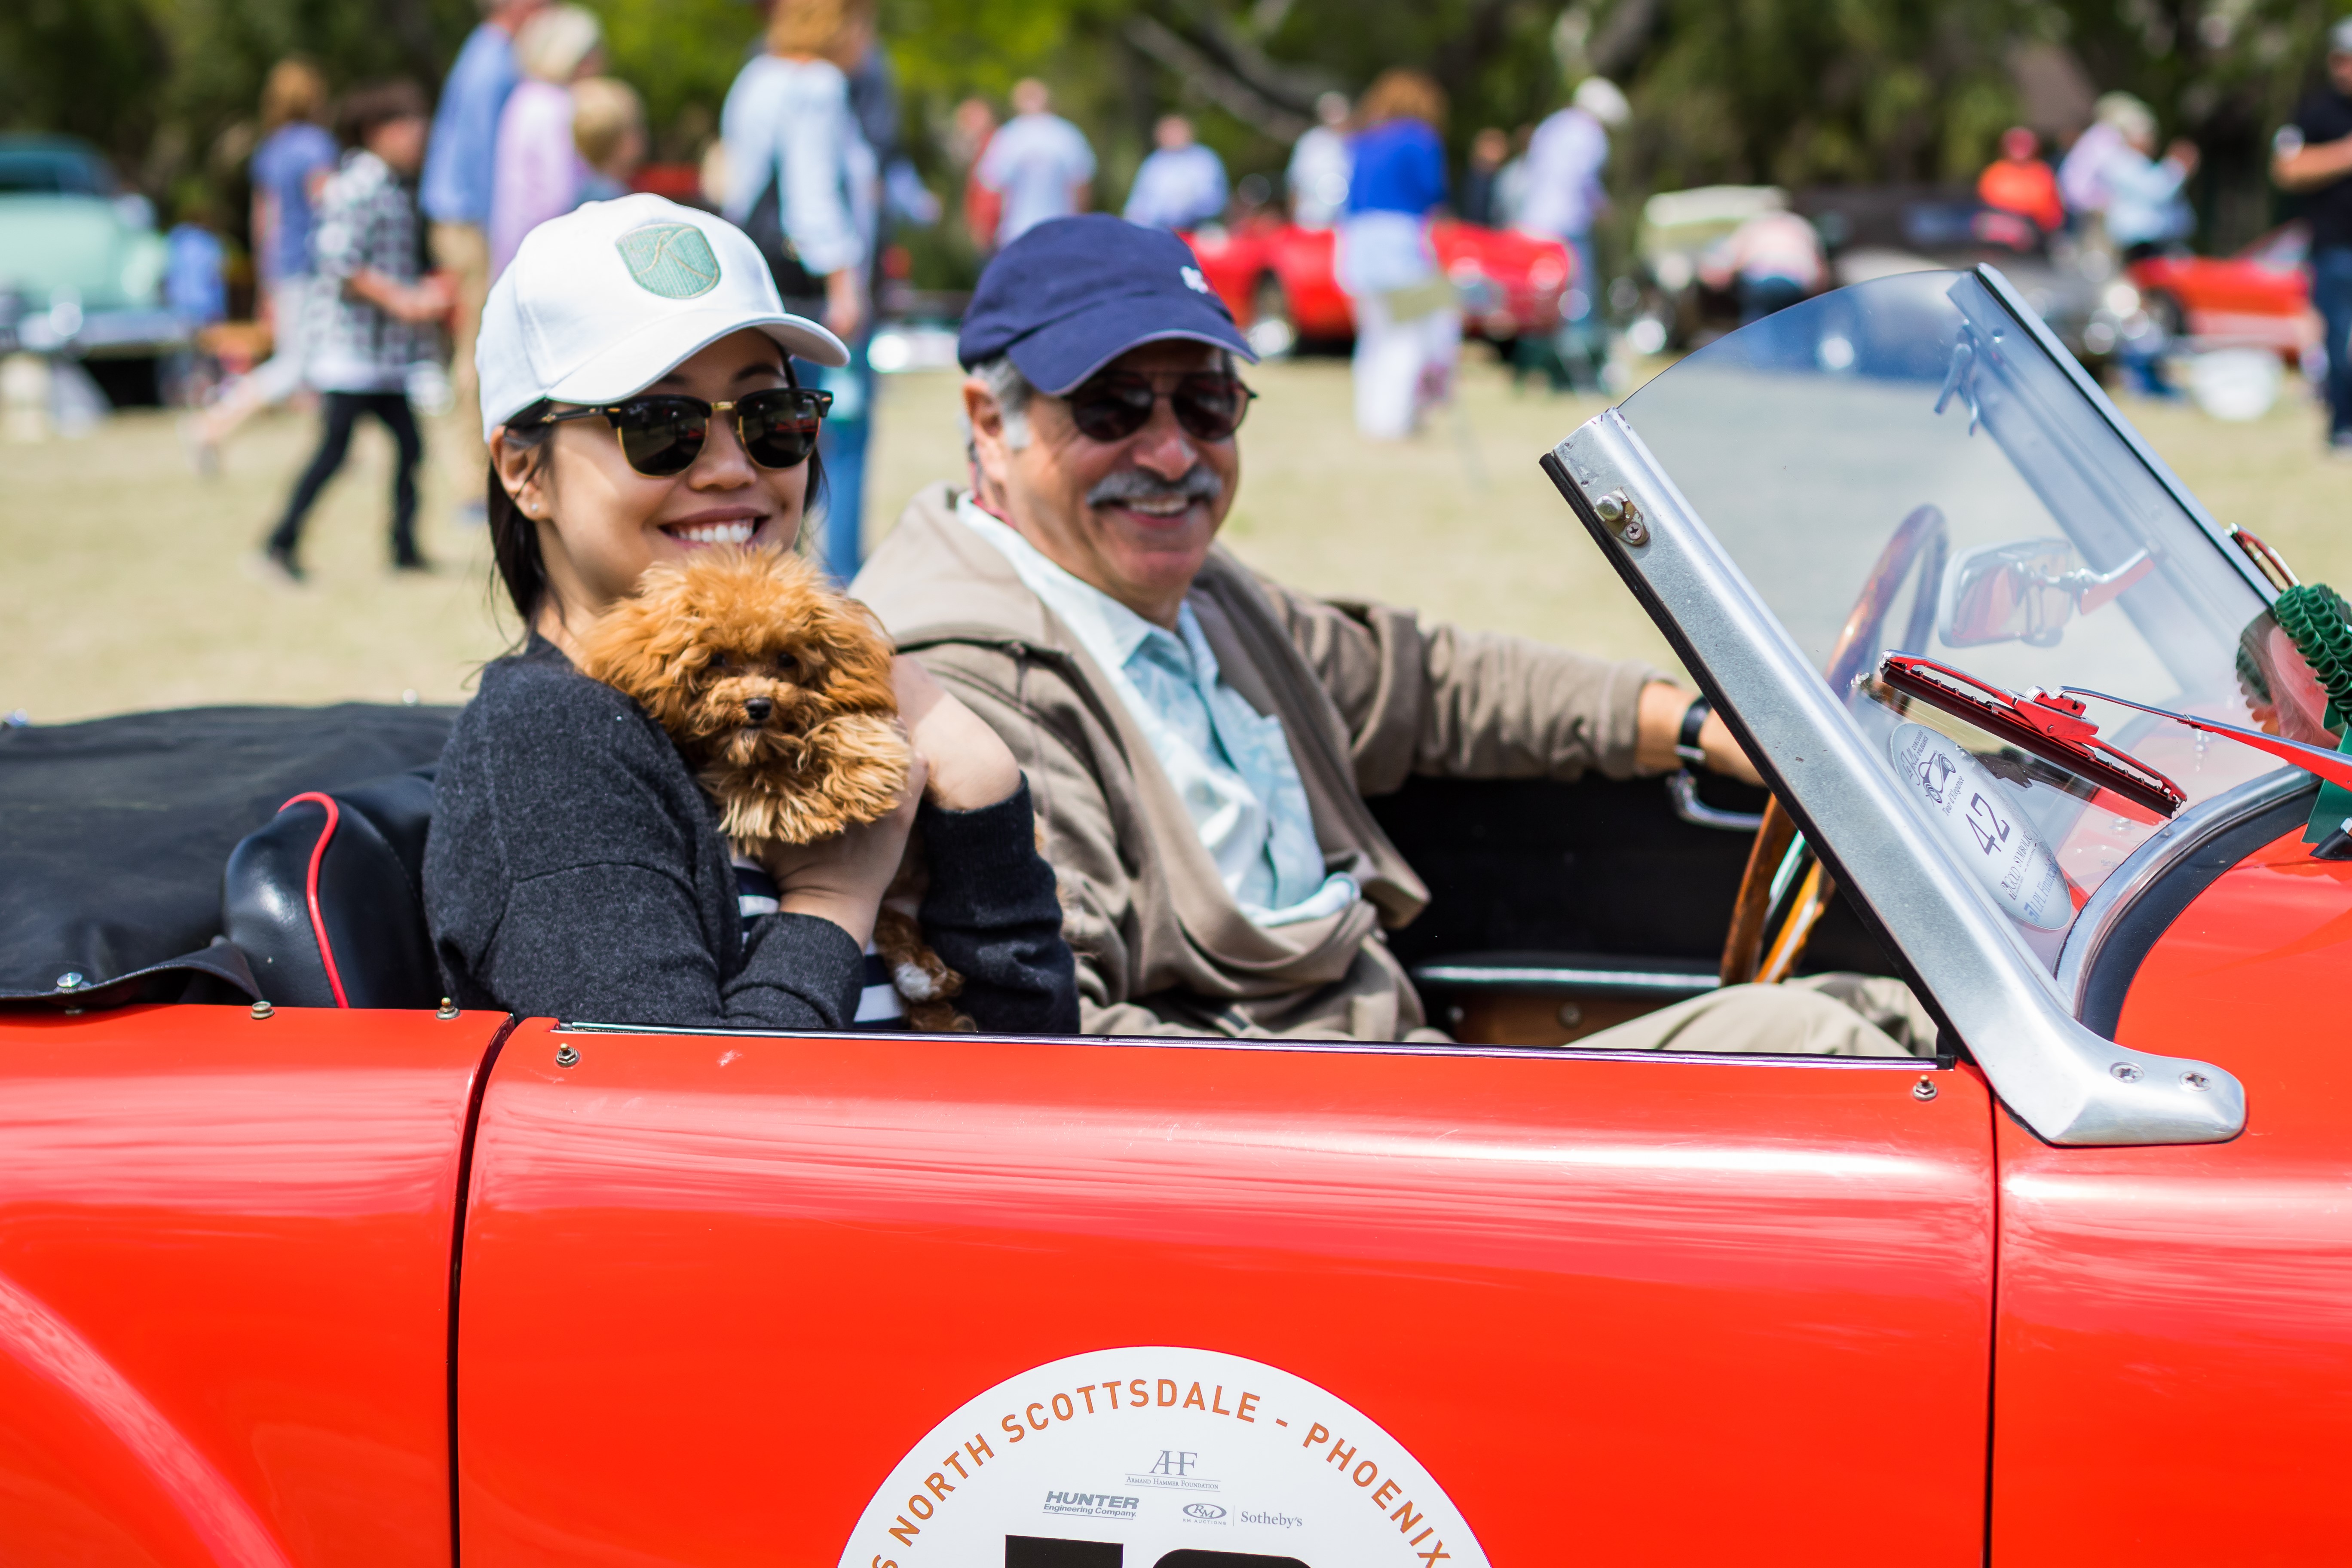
640	408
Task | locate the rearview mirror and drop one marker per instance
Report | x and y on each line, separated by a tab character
2026	591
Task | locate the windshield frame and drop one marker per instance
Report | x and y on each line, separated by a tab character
1971	968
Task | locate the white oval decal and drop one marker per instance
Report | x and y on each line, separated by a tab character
1147	1455
1981	821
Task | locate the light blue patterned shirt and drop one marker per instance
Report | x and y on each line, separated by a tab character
1229	764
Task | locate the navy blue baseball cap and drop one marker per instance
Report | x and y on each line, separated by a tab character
1074	293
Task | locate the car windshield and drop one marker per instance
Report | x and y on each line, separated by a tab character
51	172
1900	466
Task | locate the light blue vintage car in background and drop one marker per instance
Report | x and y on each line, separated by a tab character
82	264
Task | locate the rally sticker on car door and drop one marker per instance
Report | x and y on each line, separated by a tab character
1981	821
1155	1457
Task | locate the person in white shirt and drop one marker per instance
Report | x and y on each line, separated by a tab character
1038	162
1317	175
1773	260
1564	195
794	150
1181	184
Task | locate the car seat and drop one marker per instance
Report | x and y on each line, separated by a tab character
327	902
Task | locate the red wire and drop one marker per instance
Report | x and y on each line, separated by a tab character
319	920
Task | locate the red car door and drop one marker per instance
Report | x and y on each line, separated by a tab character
732	1299
224	1256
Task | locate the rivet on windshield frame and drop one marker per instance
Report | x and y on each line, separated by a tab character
565	1056
1634	532
448	1010
2196	1081
69	980
1924	1089
263	1009
1611	507
2127	1071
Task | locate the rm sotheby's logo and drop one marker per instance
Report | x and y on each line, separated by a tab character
1094	1505
1286	1520
1204	1512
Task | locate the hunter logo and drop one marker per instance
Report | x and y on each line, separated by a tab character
671	259
1095	1505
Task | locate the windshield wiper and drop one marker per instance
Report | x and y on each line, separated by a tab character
2049	725
2336	767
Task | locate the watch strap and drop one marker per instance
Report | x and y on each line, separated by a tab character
1687	744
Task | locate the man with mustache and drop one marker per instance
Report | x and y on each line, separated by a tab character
1198	740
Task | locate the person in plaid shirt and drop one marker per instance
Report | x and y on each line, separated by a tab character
383	313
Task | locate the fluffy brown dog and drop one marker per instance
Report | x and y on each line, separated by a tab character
776	690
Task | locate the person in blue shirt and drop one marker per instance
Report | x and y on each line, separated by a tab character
455	193
1181	184
288	171
1408	324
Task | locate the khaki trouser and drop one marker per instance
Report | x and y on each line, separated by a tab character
1820	1015
463	250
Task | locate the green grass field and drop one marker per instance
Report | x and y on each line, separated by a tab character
130	584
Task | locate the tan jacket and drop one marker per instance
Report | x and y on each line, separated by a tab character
1366	694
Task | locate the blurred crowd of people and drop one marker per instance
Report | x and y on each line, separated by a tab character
375	242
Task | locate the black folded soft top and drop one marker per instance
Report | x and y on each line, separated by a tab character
114	832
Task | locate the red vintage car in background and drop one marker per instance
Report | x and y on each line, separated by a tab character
1269	270
298	1270
2260	297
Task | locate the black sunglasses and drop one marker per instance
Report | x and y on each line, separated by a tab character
662	435
1115	404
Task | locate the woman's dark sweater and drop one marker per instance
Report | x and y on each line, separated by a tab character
576	870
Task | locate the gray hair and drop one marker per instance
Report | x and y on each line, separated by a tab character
1011	391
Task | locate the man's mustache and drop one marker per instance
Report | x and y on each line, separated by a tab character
1198	482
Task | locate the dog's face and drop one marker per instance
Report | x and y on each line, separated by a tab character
742	655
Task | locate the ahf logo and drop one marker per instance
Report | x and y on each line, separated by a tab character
1204	1512
1174	1462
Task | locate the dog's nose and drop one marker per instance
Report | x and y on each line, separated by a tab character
757	709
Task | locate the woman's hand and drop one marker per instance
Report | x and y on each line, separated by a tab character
970	764
843	879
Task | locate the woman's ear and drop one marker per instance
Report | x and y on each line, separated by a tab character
524	472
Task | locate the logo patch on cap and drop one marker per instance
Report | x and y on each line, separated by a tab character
1194	282
671	259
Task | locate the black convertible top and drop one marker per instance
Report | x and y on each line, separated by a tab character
114	832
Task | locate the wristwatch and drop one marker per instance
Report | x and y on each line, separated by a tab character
1687	744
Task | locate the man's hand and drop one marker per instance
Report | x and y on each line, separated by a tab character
427	300
1661	723
970	765
2298	166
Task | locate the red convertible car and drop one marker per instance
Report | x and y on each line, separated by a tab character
1276	273
2260	297
298	1270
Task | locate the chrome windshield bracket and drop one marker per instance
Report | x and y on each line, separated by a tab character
2065	1082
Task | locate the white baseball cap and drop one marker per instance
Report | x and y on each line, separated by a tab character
602	302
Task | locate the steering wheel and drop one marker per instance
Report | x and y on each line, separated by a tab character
1922	538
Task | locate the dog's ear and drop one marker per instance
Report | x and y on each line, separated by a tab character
652	644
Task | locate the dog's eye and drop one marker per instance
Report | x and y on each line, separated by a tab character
786	664
721	663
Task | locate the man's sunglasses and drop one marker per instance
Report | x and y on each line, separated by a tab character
1114	406
663	434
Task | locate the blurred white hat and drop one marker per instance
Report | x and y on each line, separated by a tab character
1603	99
2127	114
